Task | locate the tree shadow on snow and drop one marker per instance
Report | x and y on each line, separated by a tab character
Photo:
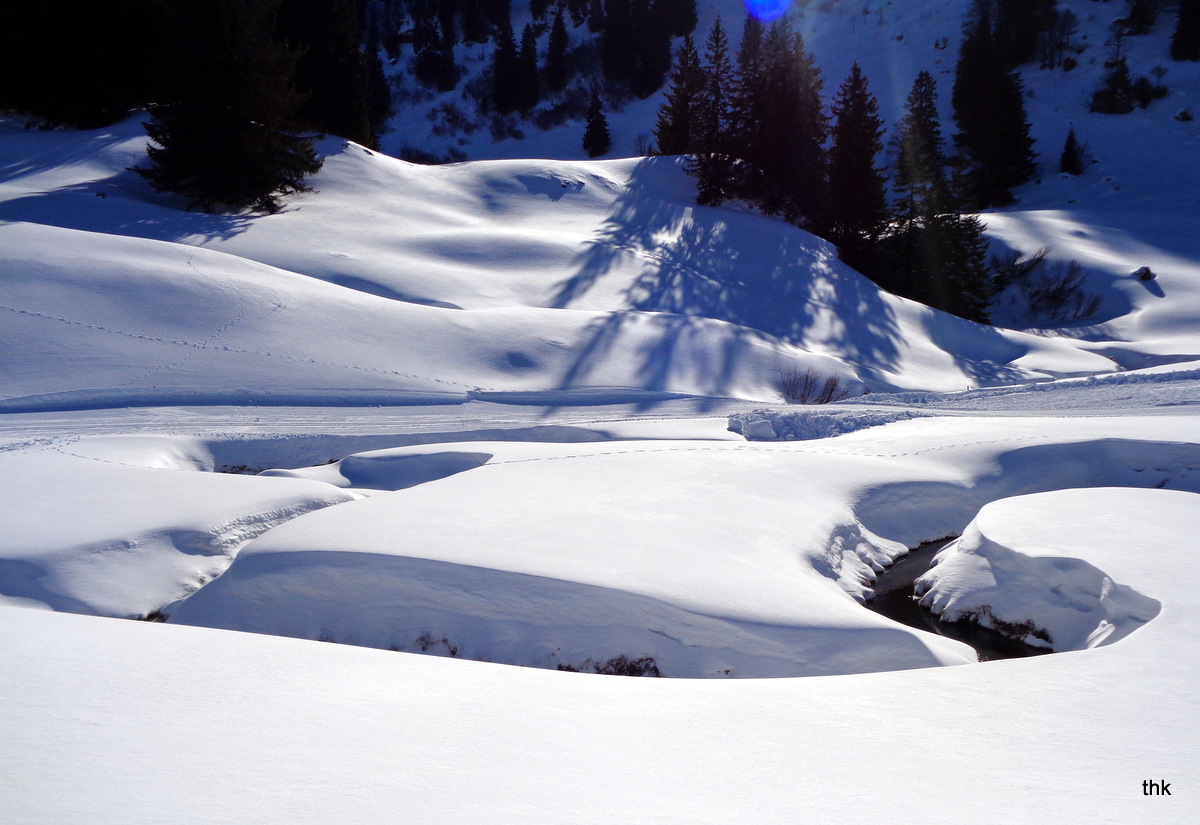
771	280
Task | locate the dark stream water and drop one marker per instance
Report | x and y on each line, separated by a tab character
894	599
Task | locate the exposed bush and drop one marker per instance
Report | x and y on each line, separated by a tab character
624	666
413	154
448	119
1054	294
619	666
810	387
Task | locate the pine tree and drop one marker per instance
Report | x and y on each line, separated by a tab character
649	57
434	65
1071	161
1116	96
711	163
920	162
676	131
713	120
1016	25
506	83
858	208
1185	43
785	139
556	54
379	97
331	73
615	42
225	138
82	64
1142	15
747	101
989	108
527	71
932	252
596	139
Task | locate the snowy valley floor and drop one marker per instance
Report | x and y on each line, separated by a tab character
565	536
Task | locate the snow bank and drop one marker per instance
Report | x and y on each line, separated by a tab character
709	561
97	536
1040	567
807	425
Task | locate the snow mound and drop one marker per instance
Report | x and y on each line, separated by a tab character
805	425
131	538
394	469
1002	574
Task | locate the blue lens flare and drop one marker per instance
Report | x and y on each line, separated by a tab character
767	9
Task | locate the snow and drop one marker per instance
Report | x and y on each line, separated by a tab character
1053	580
527	412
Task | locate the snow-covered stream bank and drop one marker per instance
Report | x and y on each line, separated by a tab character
133	721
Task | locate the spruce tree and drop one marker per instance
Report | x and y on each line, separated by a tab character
989	109
1116	96
331	73
1185	43
711	163
1142	15
84	65
226	137
858	208
506	82
596	139
747	101
932	252
1071	160
556	54
527	71
677	128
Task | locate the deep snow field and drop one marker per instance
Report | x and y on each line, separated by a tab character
404	465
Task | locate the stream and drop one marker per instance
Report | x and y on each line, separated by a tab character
894	599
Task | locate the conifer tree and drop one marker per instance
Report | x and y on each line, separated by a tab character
556	54
615	43
676	131
711	163
506	83
225	138
1016	26
1185	43
795	128
933	253
434	65
858	208
527	71
989	108
747	100
1142	15
713	120
82	64
1116	96
1071	160
596	139
331	73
